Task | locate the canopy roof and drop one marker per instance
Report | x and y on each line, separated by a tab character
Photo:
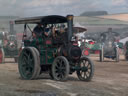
79	29
113	33
51	19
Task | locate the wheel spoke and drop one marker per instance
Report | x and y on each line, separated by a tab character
31	61
63	68
29	55
81	64
56	67
89	66
58	75
57	71
25	54
24	59
84	61
87	63
61	63
58	64
88	73
84	74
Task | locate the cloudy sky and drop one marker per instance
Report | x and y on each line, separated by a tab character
61	7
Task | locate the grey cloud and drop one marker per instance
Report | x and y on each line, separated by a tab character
62	7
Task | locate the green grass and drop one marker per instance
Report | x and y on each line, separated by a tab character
98	21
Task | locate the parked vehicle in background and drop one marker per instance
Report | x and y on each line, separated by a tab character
11	48
109	45
8	47
89	46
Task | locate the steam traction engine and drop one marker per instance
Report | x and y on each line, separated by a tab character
11	48
60	55
109	45
8	47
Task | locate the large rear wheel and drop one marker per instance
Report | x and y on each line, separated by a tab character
86	69
60	68
29	63
38	64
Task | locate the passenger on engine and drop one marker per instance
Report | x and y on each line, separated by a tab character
38	31
58	31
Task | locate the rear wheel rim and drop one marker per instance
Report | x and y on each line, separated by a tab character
87	65
26	64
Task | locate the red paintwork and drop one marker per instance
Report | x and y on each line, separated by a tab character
97	52
91	42
48	42
19	36
86	52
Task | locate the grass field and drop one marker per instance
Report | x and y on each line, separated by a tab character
99	21
122	17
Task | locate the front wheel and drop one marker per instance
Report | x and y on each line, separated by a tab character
60	68
86	69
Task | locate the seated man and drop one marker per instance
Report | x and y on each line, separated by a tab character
54	32
39	31
59	35
57	32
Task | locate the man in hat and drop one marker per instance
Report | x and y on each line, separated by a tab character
39	31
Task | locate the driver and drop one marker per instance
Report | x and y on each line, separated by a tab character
39	30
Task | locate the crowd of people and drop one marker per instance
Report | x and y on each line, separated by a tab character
46	31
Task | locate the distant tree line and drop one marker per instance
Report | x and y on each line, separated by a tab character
94	13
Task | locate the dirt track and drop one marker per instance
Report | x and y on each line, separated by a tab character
110	79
